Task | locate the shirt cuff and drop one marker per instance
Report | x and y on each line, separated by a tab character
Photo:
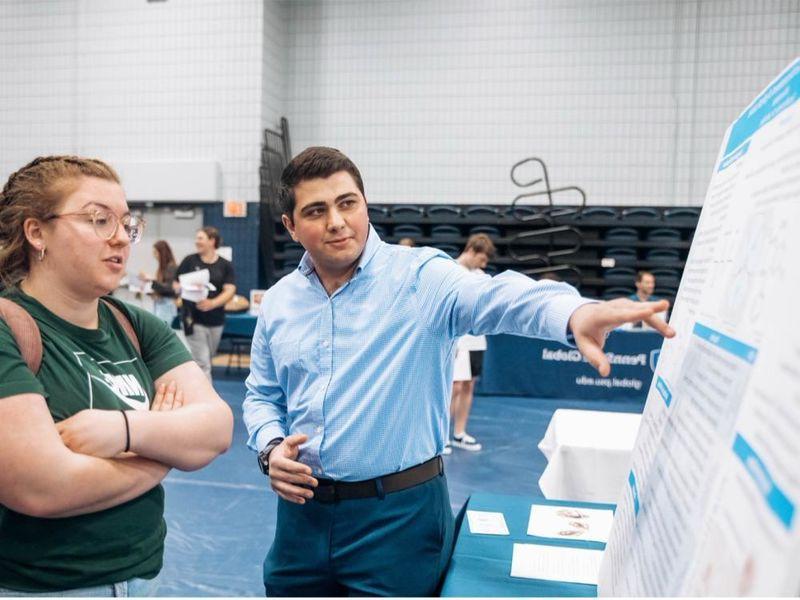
266	434
561	310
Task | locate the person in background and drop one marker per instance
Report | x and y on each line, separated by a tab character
163	288
115	402
350	380
645	286
549	276
203	321
469	350
406	241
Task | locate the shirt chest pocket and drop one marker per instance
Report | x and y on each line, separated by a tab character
295	359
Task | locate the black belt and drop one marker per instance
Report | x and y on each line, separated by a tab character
332	491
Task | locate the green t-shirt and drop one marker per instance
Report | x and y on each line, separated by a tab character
87	368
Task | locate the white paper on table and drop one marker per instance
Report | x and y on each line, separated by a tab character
195	285
491	523
570	522
556	563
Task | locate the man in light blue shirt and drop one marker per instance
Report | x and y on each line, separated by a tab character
350	379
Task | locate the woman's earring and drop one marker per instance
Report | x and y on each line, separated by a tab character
41	254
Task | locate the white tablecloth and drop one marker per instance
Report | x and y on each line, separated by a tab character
588	453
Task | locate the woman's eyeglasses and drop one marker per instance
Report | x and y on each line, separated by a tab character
106	224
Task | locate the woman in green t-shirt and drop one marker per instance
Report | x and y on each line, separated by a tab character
86	441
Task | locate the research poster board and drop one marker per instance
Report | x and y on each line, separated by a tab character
711	502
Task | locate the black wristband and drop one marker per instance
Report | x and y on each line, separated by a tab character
263	456
127	431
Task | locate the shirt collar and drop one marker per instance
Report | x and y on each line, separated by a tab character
374	241
370	249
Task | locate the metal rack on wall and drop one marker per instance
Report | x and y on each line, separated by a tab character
276	152
536	259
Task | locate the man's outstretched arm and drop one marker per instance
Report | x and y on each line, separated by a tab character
456	302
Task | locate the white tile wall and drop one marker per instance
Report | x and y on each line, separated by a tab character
275	64
132	80
37	71
436	99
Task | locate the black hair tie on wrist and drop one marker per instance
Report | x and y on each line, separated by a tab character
127	432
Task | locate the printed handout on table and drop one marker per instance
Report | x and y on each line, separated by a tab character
570	522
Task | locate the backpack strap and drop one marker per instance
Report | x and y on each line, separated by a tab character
124	322
25	332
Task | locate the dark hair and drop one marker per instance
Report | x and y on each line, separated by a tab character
480	243
640	275
311	163
36	191
213	234
166	259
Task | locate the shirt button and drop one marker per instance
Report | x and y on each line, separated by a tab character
319	428
324	343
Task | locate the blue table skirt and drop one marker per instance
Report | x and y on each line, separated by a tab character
518	366
240	325
236	325
481	564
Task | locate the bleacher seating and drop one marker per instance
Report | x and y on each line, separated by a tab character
613	242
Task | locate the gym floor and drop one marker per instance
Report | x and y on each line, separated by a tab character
221	519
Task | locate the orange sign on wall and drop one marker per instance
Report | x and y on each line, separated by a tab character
234	208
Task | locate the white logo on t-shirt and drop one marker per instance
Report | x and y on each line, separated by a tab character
125	386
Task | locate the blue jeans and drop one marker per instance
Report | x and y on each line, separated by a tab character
398	545
165	309
133	588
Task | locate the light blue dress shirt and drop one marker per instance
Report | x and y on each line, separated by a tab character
366	373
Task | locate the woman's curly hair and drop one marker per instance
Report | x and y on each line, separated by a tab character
35	191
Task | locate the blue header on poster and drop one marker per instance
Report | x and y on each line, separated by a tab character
734	156
663	389
780	504
634	492
729	344
780	95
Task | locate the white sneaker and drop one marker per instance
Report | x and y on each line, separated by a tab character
448	449
466	442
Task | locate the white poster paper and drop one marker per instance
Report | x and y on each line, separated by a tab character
711	501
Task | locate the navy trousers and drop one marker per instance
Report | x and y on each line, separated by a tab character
398	545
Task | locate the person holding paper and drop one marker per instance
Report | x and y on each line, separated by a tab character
162	283
88	431
351	372
203	300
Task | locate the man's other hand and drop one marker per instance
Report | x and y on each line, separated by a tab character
287	475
